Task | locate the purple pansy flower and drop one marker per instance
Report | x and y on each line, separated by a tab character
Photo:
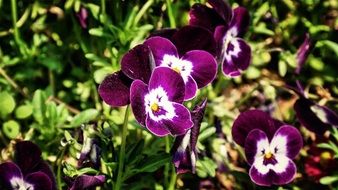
135	64
269	147
228	26
303	52
184	148
314	117
29	171
197	67
158	106
86	182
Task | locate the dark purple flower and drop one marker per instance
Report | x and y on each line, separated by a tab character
135	64
271	160
158	106
303	52
29	171
228	26
90	152
184	148
82	16
87	182
197	68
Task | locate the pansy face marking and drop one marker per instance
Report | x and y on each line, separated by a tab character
19	184
183	67
157	105
231	46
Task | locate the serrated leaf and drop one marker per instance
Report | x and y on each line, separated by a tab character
7	104
84	117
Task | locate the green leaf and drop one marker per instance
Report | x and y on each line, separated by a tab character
327	180
7	104
154	162
11	129
206	167
24	111
84	117
39	106
330	44
282	68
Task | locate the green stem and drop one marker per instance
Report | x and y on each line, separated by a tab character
144	8
122	151
173	177
167	166
58	174
22	47
170	14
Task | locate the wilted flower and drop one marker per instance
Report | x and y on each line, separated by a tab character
28	172
197	68
303	52
229	26
158	106
135	64
184	148
90	152
86	182
269	147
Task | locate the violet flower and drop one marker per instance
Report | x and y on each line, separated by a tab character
197	68
269	147
82	17
184	148
136	64
28	172
87	182
314	117
303	52
90	152
228	26
158	106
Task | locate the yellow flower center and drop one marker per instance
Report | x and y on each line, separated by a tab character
268	155
177	70
155	107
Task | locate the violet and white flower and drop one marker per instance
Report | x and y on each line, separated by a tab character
158	106
86	182
197	68
137	63
228	25
184	148
269	147
90	151
28	172
271	160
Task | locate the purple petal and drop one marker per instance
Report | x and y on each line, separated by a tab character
87	181
223	9
251	141
315	118
236	57
286	176
82	16
114	89
204	66
182	161
165	33
240	21
170	81
253	119
27	156
294	140
8	172
46	169
303	52
138	63
197	115
194	38
39	180
190	89
157	127
259	178
160	47
219	34
138	91
201	15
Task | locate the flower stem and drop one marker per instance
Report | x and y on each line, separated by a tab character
122	151
172	179
170	14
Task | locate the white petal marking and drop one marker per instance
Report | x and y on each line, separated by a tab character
183	67
19	184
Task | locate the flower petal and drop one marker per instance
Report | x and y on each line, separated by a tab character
285	177
165	33
8	172
236	57
197	115
288	141
39	180
27	156
159	47
190	89
138	63
259	178
194	38
170	81
114	89
87	181
240	21
156	127
255	142
222	8
312	116
253	119
138	90
303	52
204	67
201	15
